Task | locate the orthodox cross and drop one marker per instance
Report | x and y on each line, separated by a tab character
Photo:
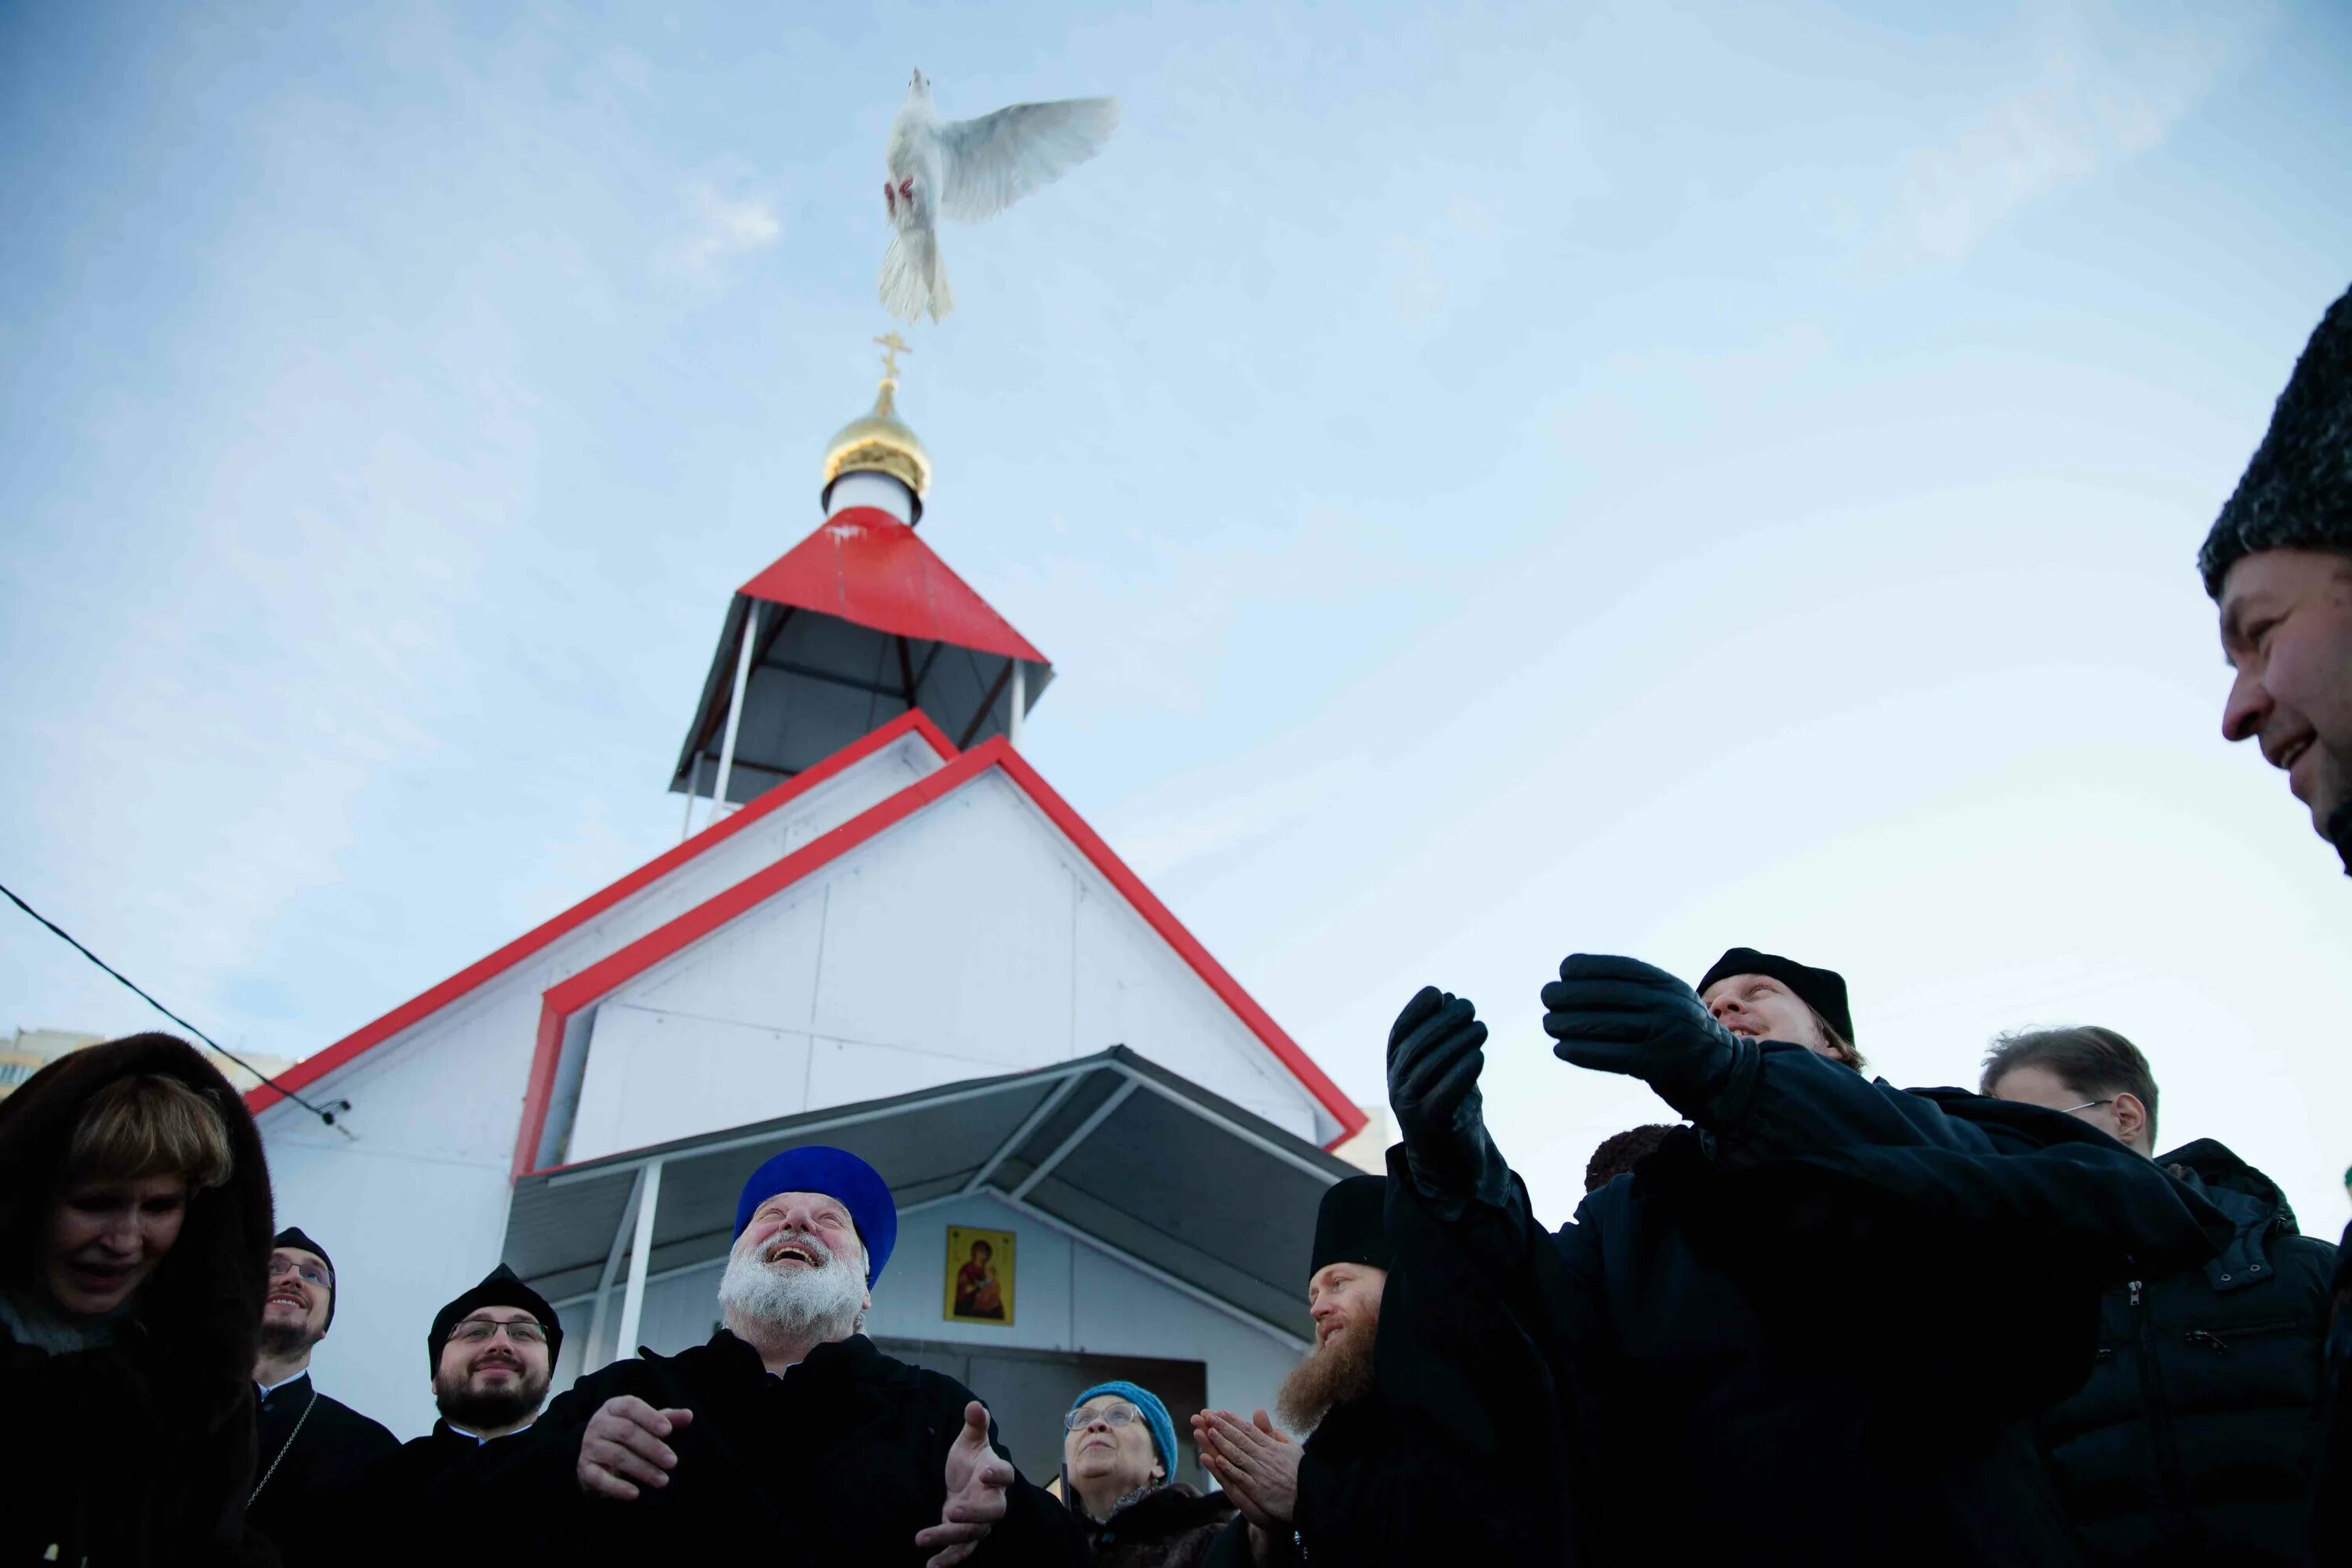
891	349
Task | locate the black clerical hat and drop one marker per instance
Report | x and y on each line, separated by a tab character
1352	1225
292	1236
1822	990
502	1286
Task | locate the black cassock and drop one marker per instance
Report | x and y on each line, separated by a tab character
841	1459
1456	1453
428	1503
319	1447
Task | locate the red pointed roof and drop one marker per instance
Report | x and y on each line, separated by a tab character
866	567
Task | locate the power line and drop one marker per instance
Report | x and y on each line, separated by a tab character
67	937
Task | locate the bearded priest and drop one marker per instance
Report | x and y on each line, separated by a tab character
788	1432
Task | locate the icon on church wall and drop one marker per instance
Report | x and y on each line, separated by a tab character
980	1276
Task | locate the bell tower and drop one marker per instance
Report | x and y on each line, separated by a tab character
859	623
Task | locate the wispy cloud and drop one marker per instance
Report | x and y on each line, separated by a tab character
2098	87
719	228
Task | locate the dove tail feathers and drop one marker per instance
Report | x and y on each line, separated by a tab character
914	280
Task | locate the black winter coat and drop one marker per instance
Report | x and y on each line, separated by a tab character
314	1450
1815	1330
1168	1527
2195	1438
2331	1489
842	1459
140	1452
426	1503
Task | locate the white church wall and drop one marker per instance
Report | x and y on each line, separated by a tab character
412	1201
968	940
1069	1295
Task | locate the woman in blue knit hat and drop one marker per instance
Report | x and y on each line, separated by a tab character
1118	1456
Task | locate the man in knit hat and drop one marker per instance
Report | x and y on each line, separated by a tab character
788	1433
1811	1325
314	1448
2278	564
490	1353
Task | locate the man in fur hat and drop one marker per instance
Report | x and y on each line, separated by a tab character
2278	563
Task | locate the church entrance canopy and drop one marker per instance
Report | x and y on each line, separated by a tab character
1195	1192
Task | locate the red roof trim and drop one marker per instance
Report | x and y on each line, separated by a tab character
868	568
599	980
317	1064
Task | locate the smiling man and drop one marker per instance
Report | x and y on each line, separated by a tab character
788	1432
314	1448
493	1351
2278	563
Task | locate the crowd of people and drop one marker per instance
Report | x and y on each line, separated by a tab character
1820	1320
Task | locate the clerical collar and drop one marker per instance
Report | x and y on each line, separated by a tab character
267	1389
479	1439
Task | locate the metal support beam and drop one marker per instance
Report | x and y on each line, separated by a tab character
594	1347
1084	1129
641	1259
1020	701
987	706
1029	1124
735	709
693	788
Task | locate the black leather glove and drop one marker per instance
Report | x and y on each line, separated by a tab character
1620	1015
1434	1063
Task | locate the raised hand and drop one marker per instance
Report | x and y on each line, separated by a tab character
1254	1462
622	1449
1434	1059
978	1478
1621	1015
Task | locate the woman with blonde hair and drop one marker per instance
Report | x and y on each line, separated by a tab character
134	1245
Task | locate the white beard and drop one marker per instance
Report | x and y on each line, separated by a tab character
825	1303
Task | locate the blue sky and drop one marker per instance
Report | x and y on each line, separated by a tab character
1493	482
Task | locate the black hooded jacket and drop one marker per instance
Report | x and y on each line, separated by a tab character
2194	1437
142	1451
1816	1330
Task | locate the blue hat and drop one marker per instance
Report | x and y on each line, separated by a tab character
1155	1415
838	1175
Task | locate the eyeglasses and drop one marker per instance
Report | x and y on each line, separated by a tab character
1109	1415
481	1330
308	1273
2090	1105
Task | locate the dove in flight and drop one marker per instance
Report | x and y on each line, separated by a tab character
968	170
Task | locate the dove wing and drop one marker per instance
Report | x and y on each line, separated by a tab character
987	164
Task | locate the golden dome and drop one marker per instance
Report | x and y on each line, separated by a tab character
879	444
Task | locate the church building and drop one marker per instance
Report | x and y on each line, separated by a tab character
882	930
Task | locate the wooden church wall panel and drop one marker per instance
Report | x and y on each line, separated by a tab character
845	1072
760	969
654	1076
1132	991
950	933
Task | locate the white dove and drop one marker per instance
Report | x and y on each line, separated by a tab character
968	170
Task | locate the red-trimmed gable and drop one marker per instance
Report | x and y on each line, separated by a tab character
606	976
317	1064
866	567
